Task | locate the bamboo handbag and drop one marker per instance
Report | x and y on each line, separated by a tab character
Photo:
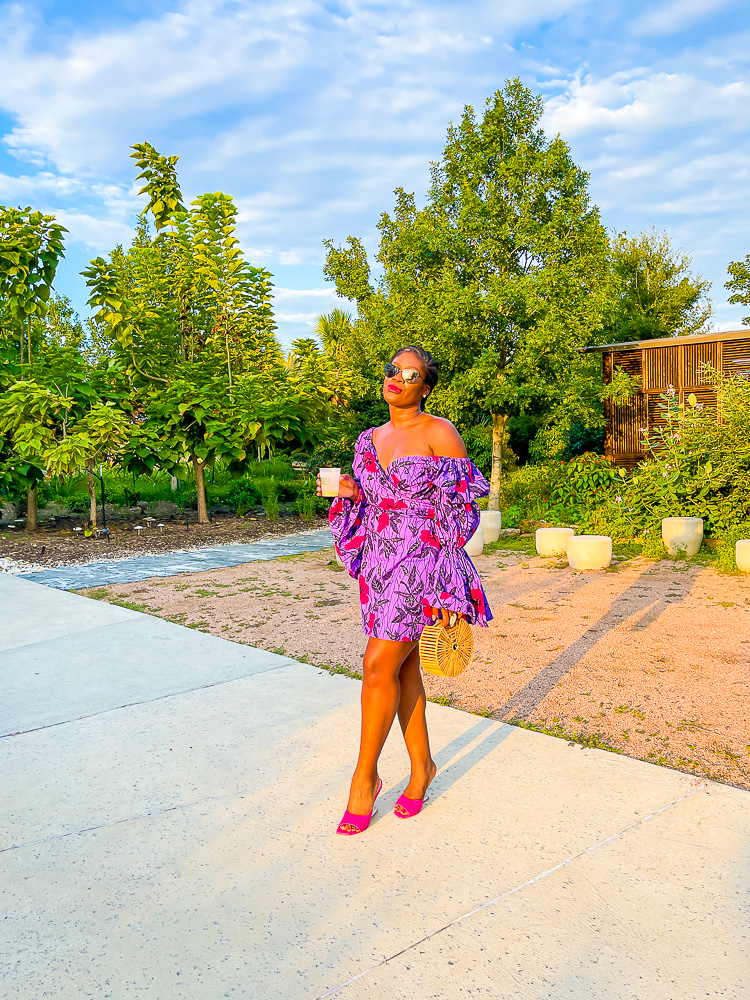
445	648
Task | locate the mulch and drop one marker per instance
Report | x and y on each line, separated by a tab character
61	544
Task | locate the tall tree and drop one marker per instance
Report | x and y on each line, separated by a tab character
502	275
655	293
31	245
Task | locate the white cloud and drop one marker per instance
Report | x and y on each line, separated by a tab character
285	294
677	15
311	112
97	234
649	102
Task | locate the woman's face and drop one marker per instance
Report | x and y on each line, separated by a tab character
401	393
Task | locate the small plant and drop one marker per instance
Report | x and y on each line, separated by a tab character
654	548
307	501
271	498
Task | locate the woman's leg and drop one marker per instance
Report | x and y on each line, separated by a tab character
411	716
381	692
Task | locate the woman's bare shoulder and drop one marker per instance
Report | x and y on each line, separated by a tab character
444	439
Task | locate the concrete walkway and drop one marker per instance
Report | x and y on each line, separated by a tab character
166	828
99	574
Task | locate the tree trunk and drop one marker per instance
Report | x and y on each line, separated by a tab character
92	497
28	338
200	489
31	521
498	434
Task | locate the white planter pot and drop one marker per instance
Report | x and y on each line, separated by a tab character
742	555
475	544
682	535
589	551
490	521
552	541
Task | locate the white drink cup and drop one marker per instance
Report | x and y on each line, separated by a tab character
329	482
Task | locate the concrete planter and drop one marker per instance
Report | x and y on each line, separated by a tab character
490	521
589	551
742	555
475	544
552	541
682	535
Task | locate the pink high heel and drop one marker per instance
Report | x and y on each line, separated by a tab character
411	807
360	823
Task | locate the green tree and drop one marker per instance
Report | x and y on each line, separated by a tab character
187	294
655	293
502	275
739	284
60	431
31	245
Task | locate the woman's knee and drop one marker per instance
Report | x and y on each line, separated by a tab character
379	669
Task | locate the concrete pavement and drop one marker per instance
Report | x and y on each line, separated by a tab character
167	832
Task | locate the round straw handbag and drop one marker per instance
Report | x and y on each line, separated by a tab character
445	649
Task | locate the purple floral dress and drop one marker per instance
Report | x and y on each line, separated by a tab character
403	539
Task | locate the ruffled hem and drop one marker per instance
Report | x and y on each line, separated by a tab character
456	587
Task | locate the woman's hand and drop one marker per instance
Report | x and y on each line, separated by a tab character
347	488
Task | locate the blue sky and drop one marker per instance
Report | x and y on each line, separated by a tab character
311	113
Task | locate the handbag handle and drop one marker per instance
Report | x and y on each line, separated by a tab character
447	618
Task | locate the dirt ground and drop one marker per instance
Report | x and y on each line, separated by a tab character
62	546
649	659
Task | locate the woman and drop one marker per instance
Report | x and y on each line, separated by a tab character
400	524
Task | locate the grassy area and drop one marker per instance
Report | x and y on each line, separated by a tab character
521	543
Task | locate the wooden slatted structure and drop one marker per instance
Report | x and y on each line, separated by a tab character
682	362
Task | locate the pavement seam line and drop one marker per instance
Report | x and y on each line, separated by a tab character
510	892
149	701
148	815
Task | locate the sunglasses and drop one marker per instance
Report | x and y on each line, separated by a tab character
409	375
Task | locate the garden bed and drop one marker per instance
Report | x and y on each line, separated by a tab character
650	659
62	545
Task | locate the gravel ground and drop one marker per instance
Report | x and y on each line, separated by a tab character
649	659
24	551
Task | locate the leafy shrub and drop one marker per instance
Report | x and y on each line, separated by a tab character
78	503
583	483
725	559
698	467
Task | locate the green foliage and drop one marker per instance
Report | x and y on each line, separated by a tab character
270	494
31	245
653	547
307	501
656	295
726	561
162	187
502	276
739	284
187	295
582	484
697	467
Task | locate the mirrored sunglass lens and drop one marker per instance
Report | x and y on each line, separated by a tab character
409	374
390	370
